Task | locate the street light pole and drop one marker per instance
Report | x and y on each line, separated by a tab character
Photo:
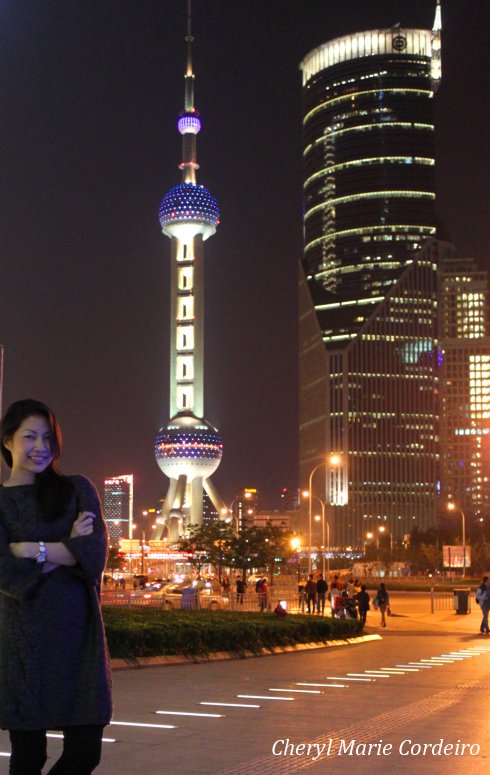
451	507
334	460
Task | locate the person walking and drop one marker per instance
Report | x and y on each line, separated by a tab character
240	589
483	600
383	602
321	591
310	590
54	663
363	599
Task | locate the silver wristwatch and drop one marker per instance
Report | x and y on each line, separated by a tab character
42	554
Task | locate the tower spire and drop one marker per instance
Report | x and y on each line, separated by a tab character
436	67
189	124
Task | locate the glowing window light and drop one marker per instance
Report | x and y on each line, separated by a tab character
366	128
370	195
424	160
390	230
353	95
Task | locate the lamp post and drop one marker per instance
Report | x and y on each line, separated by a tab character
227	511
327	547
334	460
451	506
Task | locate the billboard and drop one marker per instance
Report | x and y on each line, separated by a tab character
452	556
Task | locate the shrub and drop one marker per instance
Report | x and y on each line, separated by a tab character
144	632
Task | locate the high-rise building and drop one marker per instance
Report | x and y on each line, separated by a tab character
367	308
465	385
189	449
118	506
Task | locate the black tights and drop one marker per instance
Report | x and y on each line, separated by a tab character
81	751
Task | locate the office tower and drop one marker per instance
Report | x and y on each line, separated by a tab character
367	308
118	506
465	386
189	449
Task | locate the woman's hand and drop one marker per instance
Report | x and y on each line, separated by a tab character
83	525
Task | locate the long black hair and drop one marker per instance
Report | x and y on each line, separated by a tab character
53	490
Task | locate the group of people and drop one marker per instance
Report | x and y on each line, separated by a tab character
351	599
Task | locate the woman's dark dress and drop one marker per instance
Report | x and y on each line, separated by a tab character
54	664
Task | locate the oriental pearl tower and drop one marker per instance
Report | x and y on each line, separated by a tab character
189	449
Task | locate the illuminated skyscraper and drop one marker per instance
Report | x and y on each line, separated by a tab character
188	450
367	309
465	385
118	506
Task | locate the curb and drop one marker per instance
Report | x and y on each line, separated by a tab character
219	656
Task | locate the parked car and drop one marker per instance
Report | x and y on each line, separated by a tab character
195	595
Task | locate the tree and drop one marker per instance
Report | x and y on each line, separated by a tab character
208	544
273	547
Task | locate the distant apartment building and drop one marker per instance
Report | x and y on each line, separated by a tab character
118	506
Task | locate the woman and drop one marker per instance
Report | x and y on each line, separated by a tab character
383	600
54	665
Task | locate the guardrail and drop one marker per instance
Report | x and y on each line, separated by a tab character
445	601
227	601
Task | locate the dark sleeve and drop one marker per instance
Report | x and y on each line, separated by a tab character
19	578
89	551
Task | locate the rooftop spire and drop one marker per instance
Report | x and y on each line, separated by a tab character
189	124
437	26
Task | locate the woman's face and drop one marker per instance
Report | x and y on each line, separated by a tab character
31	448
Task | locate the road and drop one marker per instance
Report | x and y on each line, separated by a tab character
316	710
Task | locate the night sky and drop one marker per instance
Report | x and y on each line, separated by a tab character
90	91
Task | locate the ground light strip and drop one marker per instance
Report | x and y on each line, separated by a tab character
402	668
372	673
104	739
419	664
415	669
298	691
263	697
344	677
230	704
186	713
389	671
137	724
330	686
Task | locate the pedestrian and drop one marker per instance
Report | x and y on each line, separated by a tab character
301	594
483	600
54	665
264	595
225	584
310	590
363	599
240	589
321	591
382	602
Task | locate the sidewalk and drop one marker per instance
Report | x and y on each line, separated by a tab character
411	614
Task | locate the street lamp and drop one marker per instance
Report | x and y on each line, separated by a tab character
451	506
333	460
324	522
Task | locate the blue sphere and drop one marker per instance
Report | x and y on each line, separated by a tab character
190	446
189	205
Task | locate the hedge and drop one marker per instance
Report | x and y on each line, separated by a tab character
147	632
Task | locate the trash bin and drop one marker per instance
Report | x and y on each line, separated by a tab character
462	600
189	598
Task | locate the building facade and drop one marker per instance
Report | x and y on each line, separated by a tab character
118	507
368	328
465	386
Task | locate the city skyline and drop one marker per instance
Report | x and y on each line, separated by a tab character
89	98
